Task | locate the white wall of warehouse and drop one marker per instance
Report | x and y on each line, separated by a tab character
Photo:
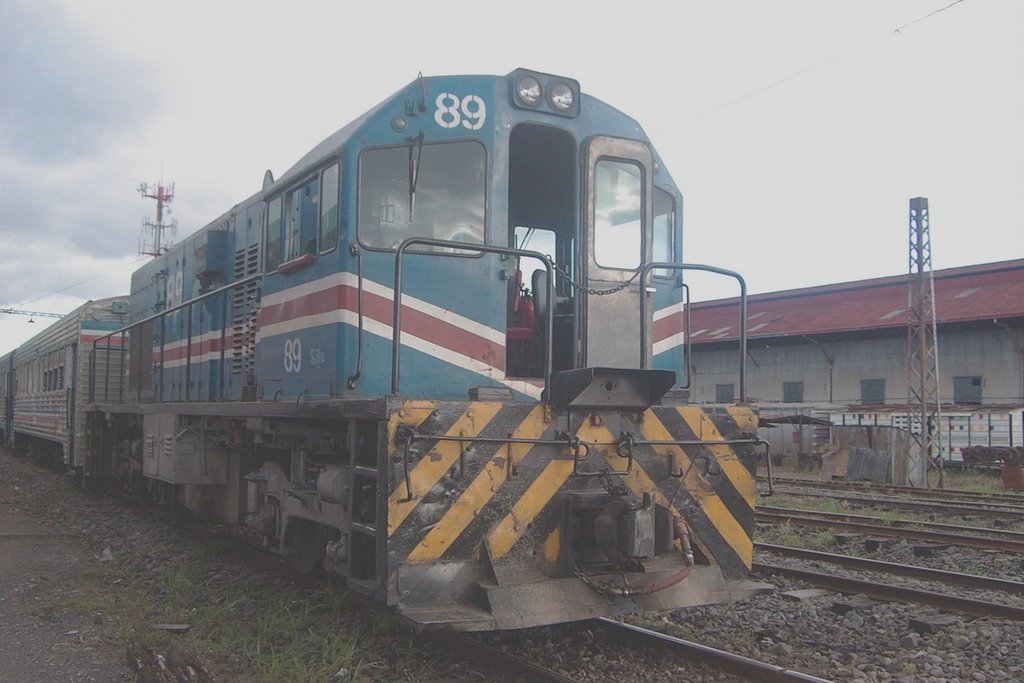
993	355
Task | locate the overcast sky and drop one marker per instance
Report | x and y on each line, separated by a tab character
798	130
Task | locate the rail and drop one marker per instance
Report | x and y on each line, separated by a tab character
967	537
896	568
896	593
748	668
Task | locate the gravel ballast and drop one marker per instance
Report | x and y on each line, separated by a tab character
152	563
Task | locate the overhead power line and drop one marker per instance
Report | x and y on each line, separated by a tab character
75	284
930	14
30	314
818	64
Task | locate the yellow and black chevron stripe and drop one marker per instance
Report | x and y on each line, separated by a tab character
448	497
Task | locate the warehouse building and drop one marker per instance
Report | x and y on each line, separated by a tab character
842	348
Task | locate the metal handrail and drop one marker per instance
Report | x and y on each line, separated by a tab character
160	316
644	360
396	330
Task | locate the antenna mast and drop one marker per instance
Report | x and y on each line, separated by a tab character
153	241
922	351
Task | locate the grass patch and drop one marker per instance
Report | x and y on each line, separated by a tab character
890	516
822	539
107	591
777	501
260	633
965	479
287	639
815	504
782	534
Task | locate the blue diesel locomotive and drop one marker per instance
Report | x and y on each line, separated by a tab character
442	357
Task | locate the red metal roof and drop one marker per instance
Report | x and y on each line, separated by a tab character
970	293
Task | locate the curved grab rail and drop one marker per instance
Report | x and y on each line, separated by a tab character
647	268
396	321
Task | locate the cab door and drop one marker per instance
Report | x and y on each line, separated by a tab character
619	210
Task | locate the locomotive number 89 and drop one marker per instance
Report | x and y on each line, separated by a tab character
443	357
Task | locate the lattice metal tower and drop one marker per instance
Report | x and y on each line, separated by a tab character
923	409
157	237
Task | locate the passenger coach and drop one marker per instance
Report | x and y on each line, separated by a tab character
46	381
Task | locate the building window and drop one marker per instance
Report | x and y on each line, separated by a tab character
872	391
793	392
967	390
724	393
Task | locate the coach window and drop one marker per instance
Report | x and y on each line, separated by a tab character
422	190
618	214
329	209
301	220
274	233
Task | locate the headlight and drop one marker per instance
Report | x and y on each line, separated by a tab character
544	93
528	90
561	96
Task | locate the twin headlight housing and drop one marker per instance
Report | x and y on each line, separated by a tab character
545	92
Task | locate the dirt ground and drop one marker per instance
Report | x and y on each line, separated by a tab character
41	640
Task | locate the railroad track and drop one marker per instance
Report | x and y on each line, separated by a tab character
751	669
910	570
891	592
888	489
496	658
1013	511
961	536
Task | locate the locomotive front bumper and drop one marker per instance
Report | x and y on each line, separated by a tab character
505	516
523	602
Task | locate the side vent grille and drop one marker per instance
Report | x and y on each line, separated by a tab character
245	306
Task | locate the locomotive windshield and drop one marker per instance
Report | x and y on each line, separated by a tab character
422	190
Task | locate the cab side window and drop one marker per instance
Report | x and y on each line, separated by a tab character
329	209
664	243
275	228
301	219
